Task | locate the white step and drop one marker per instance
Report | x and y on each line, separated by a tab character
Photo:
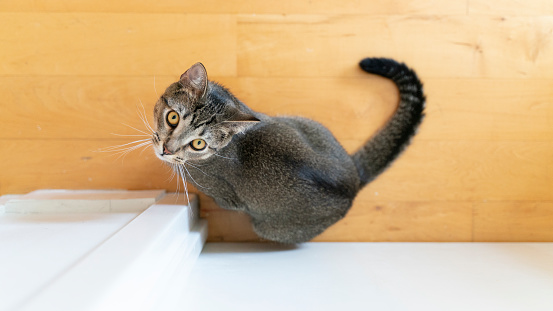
4	199
97	258
83	201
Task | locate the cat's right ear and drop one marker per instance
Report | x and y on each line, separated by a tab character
239	122
195	79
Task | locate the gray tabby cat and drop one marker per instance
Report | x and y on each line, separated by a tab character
289	174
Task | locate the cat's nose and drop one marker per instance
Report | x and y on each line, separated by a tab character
166	151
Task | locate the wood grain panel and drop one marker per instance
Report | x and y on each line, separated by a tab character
375	7
94	107
460	46
26	165
511	7
352	108
120	45
467	171
513	222
76	107
404	221
488	109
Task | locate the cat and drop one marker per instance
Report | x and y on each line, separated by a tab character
289	174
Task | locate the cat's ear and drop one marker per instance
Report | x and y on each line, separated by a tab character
195	79
239	123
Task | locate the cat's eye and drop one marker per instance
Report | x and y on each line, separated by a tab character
198	144
173	118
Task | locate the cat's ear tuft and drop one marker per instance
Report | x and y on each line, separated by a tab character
240	122
236	127
195	78
243	116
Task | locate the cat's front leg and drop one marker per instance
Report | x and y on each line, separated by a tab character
230	204
224	195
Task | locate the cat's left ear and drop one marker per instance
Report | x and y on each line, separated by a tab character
239	123
195	79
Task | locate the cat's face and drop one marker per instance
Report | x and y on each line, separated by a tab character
195	119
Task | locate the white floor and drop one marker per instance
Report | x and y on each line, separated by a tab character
372	276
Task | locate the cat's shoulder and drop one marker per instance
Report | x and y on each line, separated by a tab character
282	127
297	123
292	129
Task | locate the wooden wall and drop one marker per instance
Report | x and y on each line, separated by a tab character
481	168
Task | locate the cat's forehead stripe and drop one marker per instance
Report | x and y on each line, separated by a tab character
171	104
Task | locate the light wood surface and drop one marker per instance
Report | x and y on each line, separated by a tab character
480	169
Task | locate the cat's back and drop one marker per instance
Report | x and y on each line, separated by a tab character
314	134
293	136
283	145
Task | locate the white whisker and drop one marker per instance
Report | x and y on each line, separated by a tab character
144	149
172	168
178	179
129	135
155	87
194	166
122	146
125	152
224	157
143	117
183	166
134	128
183	176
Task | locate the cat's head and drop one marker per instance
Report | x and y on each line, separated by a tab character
195	118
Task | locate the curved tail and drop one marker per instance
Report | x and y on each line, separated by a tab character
385	146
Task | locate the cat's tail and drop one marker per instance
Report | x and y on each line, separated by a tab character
385	146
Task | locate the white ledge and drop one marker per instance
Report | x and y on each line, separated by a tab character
83	201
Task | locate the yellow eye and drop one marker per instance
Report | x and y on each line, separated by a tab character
198	144
173	118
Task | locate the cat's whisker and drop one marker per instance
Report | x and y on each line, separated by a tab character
172	168
155	90
144	149
143	116
178	179
183	166
122	146
126	152
194	166
130	135
224	157
183	176
126	146
134	128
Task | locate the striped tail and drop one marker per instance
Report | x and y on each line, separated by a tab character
386	145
